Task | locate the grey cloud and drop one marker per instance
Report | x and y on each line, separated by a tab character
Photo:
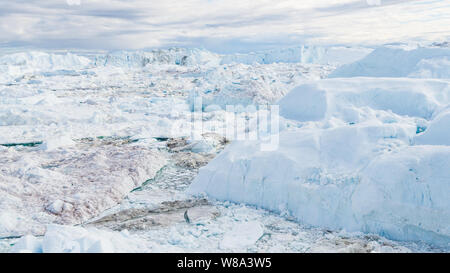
218	25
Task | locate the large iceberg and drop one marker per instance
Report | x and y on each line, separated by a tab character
350	163
421	62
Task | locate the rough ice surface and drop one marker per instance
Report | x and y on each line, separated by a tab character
67	239
103	140
172	56
150	219
78	133
13	66
359	157
69	185
303	54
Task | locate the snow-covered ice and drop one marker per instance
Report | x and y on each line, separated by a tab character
358	157
105	141
437	132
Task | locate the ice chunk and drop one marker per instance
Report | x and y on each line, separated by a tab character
63	239
437	132
242	235
28	244
56	207
55	142
202	146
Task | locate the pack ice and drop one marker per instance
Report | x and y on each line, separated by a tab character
366	154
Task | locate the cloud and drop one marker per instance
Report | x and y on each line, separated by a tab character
219	25
73	2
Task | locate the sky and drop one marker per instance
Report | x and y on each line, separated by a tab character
222	26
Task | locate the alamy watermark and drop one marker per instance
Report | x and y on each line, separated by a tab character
259	123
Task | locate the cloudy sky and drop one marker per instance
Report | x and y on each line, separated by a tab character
219	25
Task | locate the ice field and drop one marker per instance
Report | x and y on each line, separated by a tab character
102	152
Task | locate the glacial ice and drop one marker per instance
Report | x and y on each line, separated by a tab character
16	65
66	239
242	235
351	162
367	152
171	56
303	54
421	62
69	124
437	132
352	99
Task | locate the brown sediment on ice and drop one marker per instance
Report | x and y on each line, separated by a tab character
166	214
71	185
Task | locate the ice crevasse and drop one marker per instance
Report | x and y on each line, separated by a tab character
367	154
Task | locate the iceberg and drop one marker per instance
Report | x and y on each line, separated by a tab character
351	162
421	62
